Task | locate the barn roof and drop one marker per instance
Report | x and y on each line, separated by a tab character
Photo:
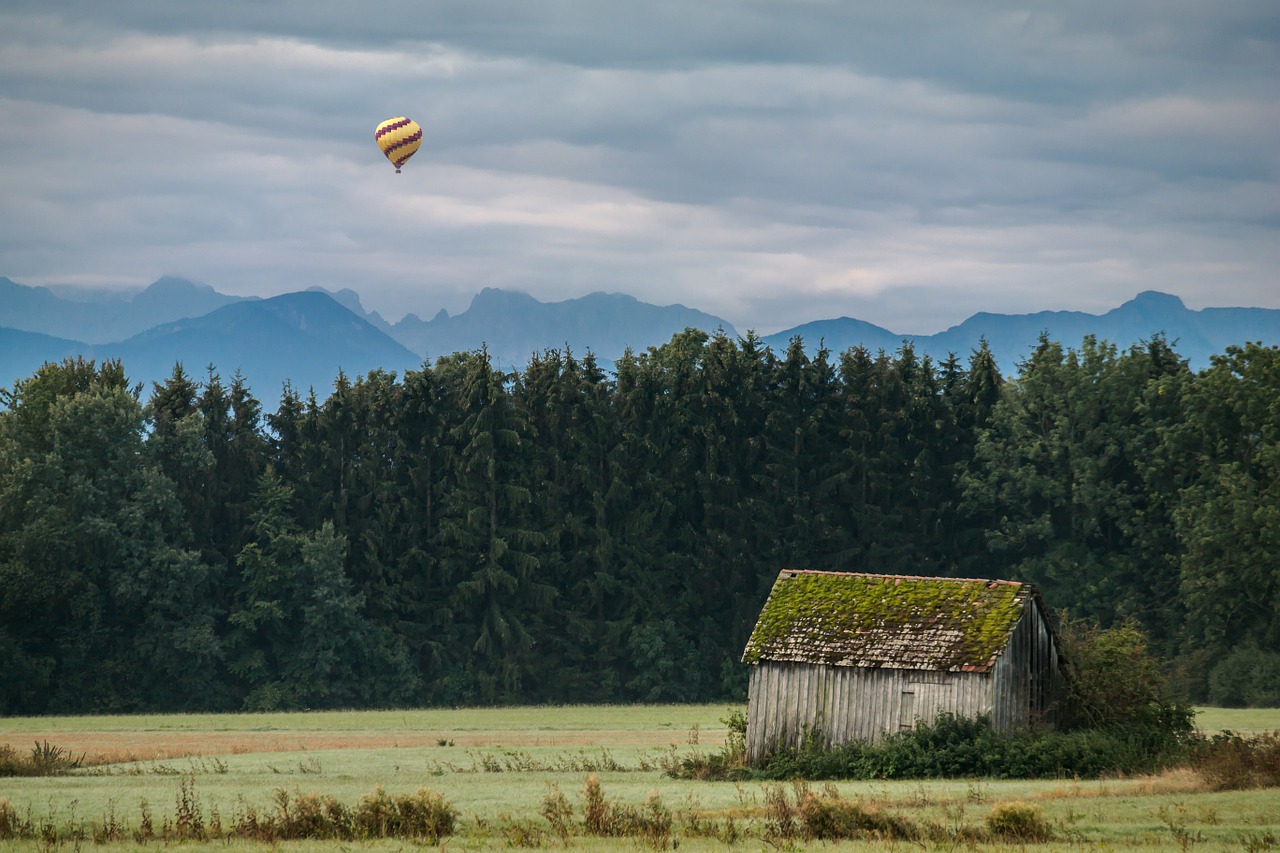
850	619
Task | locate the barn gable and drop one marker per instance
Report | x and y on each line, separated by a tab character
850	656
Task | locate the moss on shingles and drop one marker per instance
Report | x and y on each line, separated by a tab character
828	617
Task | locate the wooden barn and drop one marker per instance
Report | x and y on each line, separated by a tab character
853	656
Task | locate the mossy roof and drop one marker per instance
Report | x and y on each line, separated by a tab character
866	620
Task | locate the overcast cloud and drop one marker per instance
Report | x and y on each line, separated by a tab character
907	163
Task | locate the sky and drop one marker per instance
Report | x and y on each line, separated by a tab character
906	163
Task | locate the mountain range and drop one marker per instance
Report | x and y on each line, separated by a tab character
306	338
1195	335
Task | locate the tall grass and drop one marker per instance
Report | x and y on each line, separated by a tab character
44	759
424	816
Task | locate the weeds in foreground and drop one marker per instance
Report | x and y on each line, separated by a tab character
825	815
783	816
45	759
1175	820
425	816
1260	842
650	822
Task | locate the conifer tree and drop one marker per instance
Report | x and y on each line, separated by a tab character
493	563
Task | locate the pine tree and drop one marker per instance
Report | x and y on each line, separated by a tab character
485	524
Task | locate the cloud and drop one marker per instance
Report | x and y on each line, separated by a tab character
774	162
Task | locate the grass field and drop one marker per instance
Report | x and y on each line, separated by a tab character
497	765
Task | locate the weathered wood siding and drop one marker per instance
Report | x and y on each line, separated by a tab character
1027	676
843	703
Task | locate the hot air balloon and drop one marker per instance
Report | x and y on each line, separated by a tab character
398	138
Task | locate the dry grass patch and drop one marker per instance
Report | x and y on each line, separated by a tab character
1179	780
116	747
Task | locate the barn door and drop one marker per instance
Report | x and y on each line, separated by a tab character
907	711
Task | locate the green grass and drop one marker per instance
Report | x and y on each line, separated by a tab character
1250	720
504	761
560	719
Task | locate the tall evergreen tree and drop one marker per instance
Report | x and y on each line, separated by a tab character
493	550
299	637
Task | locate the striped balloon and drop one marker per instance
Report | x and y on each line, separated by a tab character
398	138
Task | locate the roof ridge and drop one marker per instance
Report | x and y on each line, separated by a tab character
987	581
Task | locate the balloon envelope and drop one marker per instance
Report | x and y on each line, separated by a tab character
398	138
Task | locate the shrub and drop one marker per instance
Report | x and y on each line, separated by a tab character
595	811
558	812
311	815
827	816
650	822
781	819
1020	822
735	741
11	764
1229	762
1248	677
958	747
1115	681
425	815
521	833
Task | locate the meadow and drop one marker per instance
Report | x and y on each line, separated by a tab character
498	767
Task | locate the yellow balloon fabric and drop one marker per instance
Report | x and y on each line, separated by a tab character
398	138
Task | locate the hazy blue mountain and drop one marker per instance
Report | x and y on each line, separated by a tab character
111	318
515	325
349	299
303	338
1196	335
836	335
22	353
307	337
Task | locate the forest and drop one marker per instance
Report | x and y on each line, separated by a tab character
460	535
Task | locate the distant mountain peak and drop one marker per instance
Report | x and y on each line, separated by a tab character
345	297
176	284
1155	299
491	297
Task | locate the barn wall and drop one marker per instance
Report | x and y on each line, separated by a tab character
843	703
1026	678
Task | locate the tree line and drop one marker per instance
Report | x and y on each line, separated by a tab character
463	535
